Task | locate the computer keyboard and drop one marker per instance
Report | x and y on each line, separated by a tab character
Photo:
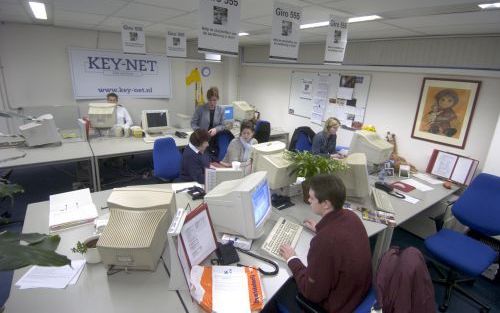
151	139
382	200
283	232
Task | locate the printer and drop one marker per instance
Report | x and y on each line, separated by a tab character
136	233
40	131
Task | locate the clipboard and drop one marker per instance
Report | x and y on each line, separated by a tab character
451	166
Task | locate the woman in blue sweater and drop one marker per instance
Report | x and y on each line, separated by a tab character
194	158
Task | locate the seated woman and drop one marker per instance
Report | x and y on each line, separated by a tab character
194	158
325	142
240	148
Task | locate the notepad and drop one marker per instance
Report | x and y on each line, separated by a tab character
70	209
51	276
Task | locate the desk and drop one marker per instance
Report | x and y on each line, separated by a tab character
67	152
94	291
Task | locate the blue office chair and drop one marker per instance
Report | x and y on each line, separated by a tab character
303	143
222	141
479	209
166	159
310	307
262	131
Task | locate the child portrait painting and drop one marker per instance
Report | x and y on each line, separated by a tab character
445	111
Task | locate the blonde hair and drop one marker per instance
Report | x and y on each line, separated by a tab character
213	92
331	122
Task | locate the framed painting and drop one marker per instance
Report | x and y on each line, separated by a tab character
445	110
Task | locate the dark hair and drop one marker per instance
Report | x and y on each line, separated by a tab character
329	187
213	92
247	124
447	93
198	137
112	94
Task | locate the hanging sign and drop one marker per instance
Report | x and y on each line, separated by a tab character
336	40
219	26
176	44
133	39
285	33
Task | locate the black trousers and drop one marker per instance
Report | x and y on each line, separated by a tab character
284	300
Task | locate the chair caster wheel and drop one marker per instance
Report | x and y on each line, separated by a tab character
443	308
484	310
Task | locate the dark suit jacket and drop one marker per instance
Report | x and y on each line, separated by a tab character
339	270
201	118
193	166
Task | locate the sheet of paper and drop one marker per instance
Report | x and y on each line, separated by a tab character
230	290
179	186
198	238
427	178
410	199
443	166
51	277
71	207
461	170
416	184
345	93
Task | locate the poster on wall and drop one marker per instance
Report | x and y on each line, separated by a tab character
133	38
285	33
219	26
176	44
95	73
336	40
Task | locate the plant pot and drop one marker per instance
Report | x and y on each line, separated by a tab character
92	256
305	190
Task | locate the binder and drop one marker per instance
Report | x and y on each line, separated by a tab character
453	167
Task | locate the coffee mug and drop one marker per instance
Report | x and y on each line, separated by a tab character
118	130
236	165
126	131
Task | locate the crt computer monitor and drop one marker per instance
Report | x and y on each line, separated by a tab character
155	121
265	148
376	149
355	178
228	112
241	206
243	110
102	115
215	176
279	170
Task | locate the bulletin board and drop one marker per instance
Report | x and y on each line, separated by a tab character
346	96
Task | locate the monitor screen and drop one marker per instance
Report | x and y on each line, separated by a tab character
157	119
260	202
228	113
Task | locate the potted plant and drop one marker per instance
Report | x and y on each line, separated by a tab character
308	165
88	249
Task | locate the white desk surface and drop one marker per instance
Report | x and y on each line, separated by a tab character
68	151
140	291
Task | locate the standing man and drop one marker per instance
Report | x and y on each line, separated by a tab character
122	116
339	270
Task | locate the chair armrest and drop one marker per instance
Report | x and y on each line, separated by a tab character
308	306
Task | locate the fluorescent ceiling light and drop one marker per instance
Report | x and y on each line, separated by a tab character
363	18
313	25
485	6
212	57
350	20
243	34
38	9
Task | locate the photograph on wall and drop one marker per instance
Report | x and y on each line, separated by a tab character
445	110
220	15
346	87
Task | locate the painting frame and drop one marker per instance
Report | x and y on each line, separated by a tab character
445	110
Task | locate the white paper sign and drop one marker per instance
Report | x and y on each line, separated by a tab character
133	39
336	40
285	34
96	73
219	26
176	44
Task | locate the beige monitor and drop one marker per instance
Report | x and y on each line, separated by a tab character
355	178
242	110
376	149
214	177
102	115
265	148
279	170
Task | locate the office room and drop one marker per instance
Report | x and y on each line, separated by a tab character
286	73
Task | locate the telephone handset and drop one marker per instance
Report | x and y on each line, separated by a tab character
389	189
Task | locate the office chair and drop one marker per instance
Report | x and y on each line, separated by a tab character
222	141
302	139
166	159
262	131
311	307
479	209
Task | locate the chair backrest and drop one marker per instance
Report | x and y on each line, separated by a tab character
222	140
303	143
479	205
302	139
166	159
262	131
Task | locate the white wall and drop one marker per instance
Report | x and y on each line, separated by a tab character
392	104
492	165
36	67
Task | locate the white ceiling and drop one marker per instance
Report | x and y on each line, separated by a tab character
402	18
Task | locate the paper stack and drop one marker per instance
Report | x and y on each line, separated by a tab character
70	209
51	277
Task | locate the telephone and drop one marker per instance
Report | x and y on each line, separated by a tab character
389	189
196	192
